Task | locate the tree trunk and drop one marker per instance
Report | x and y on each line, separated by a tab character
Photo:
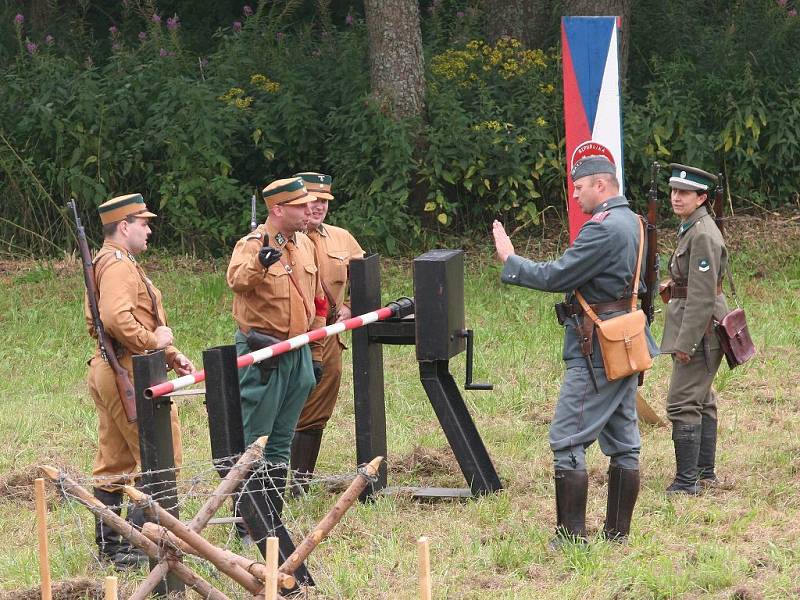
621	8
396	63
526	20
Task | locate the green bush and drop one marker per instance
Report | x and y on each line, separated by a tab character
197	116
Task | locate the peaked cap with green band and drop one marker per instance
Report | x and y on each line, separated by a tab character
317	184
691	178
286	191
122	207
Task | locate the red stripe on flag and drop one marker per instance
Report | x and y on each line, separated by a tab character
577	130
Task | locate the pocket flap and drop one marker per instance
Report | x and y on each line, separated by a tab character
623	327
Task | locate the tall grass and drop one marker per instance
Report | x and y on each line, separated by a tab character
740	541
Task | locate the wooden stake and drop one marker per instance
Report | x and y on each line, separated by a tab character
41	526
160	534
232	479
330	520
130	533
110	588
204	548
271	581
424	568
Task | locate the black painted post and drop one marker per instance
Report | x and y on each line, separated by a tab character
156	446
223	404
439	322
368	395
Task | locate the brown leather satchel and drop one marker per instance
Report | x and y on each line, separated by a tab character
734	338
622	339
732	332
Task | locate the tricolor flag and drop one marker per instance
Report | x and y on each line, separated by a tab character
592	107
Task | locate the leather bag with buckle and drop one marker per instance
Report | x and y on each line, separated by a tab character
622	339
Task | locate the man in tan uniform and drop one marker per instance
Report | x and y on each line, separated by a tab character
334	247
277	295
133	316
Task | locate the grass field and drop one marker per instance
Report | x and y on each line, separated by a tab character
741	541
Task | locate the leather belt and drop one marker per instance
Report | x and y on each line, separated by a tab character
245	330
601	307
681	291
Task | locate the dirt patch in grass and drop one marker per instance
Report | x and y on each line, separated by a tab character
18	486
427	462
72	589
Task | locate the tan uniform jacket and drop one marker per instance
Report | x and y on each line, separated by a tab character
266	299
699	262
335	247
126	309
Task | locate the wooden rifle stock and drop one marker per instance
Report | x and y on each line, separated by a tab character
652	263
125	388
719	205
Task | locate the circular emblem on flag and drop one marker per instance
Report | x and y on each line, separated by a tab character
590	148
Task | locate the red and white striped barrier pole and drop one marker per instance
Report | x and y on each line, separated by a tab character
403	305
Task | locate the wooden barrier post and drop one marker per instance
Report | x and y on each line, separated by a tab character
424	567
41	526
110	588
271	581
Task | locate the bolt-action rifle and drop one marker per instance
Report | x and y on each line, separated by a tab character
719	204
652	266
124	385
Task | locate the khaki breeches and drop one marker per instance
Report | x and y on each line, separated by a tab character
117	459
319	405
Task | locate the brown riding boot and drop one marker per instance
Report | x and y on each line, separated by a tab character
623	489
572	488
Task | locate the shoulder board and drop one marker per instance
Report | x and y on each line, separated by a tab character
600	217
256	235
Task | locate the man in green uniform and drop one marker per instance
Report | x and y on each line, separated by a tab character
600	264
277	296
694	298
334	247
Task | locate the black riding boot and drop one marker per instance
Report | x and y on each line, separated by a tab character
305	450
686	439
275	486
572	488
112	547
708	452
107	540
241	529
623	489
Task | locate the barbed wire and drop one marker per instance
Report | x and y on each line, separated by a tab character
71	525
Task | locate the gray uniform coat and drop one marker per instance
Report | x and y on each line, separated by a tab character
601	265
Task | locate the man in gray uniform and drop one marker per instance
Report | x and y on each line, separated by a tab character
600	264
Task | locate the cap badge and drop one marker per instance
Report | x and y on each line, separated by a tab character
683	174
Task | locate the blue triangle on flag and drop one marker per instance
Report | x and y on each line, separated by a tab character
589	39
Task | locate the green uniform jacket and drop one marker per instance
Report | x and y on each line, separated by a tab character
699	262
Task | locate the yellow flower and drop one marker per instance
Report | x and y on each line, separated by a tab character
243	103
541	122
258	79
